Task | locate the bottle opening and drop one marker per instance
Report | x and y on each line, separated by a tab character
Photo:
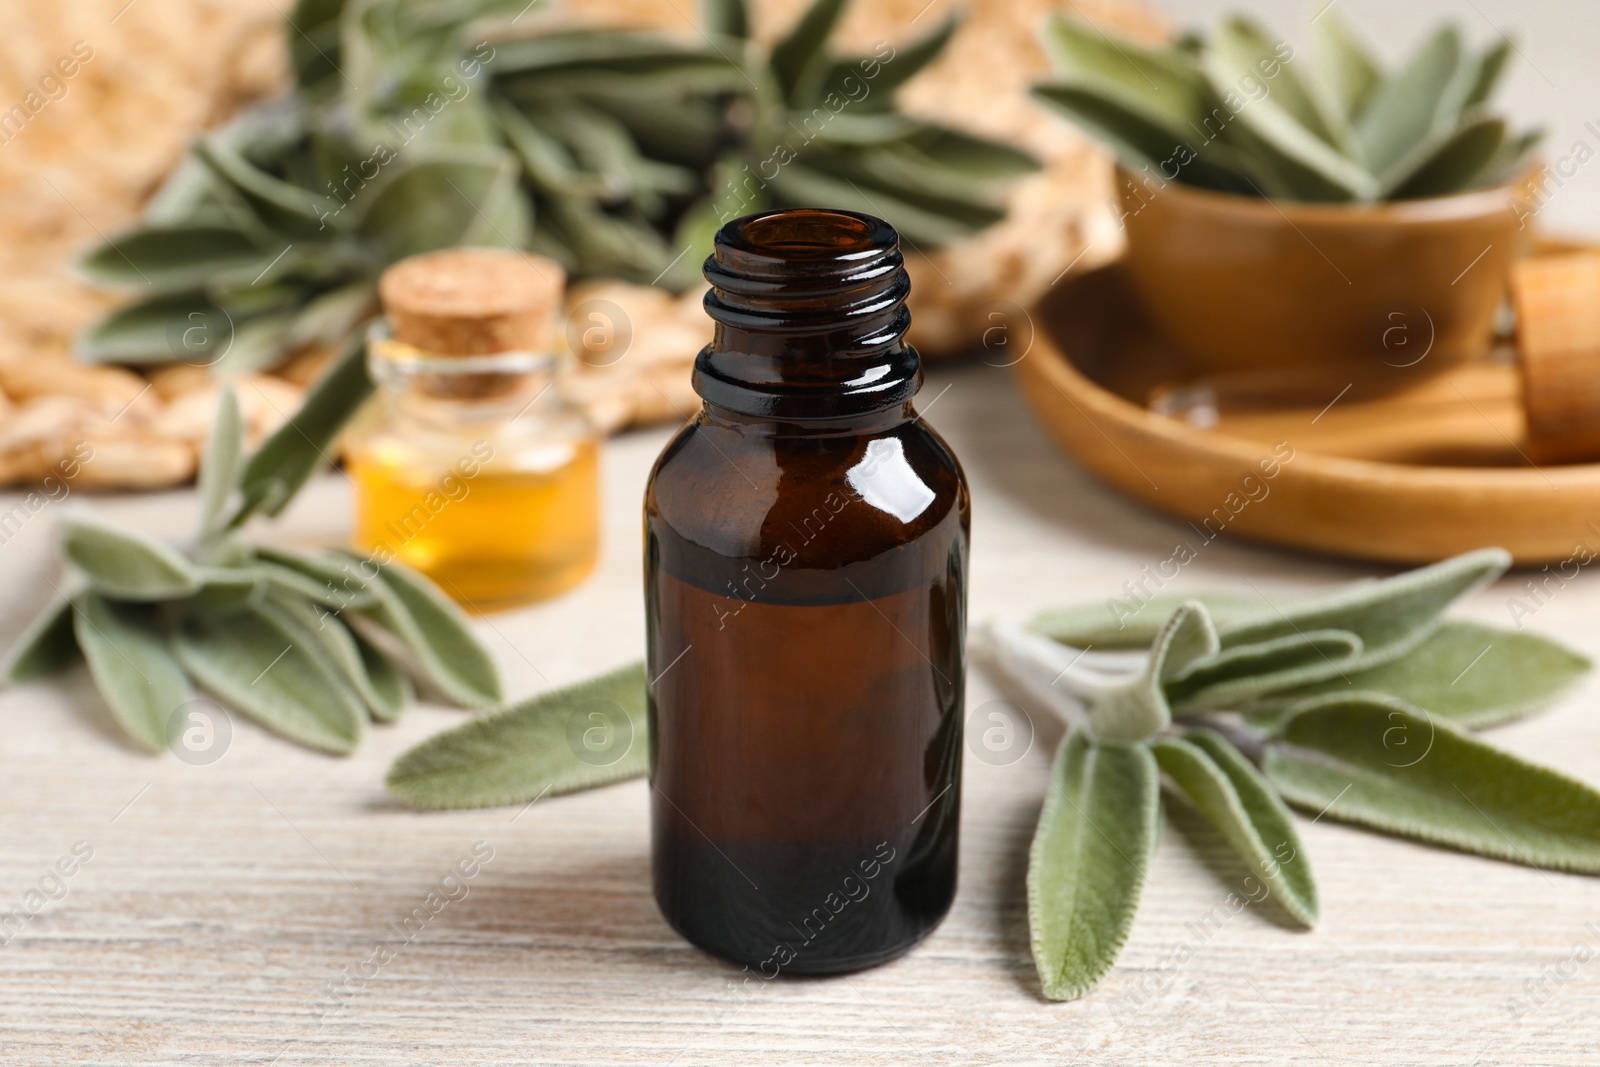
809	307
813	233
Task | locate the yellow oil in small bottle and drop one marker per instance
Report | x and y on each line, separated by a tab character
492	530
467	464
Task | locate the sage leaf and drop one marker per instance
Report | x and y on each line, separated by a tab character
281	205
1142	143
45	646
391	692
1349	68
1133	710
805	183
316	589
1278	131
1345	132
1384	763
970	159
337	577
186	326
1134	622
620	244
174	259
259	343
1046	671
1231	794
909	61
1164	90
329	318
1245	49
1278	174
548	162
437	634
910	168
1469	673
1404	110
1244	671
132	667
299	448
1089	859
224	591
805	45
1391	616
1514	158
450	196
321	633
1137	141
729	18
1456	163
579	737
184	197
563	51
221	463
258	668
1486	74
868	128
125	564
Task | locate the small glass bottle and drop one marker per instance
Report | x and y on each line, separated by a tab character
468	466
806	571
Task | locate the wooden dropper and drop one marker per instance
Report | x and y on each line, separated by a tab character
1557	300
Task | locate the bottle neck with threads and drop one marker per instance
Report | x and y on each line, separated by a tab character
810	315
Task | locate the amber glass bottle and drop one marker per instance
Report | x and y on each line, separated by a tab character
806	568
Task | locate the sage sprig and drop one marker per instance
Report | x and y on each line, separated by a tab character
1354	705
1235	110
416	125
299	640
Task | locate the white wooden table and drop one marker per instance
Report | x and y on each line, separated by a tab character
230	913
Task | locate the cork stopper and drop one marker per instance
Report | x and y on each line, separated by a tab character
472	301
1557	300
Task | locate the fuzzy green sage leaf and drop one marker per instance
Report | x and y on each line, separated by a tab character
1390	616
45	646
258	667
123	563
329	640
1384	763
1244	671
1089	858
575	738
437	635
1134	623
391	692
1470	673
334	575
1231	794
300	447
220	464
133	668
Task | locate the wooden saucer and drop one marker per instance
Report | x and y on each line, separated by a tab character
1376	460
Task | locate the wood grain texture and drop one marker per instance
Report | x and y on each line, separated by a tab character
222	902
1557	303
1405	482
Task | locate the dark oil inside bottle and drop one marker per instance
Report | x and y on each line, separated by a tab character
806	555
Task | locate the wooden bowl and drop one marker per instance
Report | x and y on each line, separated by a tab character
1410	474
1241	282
